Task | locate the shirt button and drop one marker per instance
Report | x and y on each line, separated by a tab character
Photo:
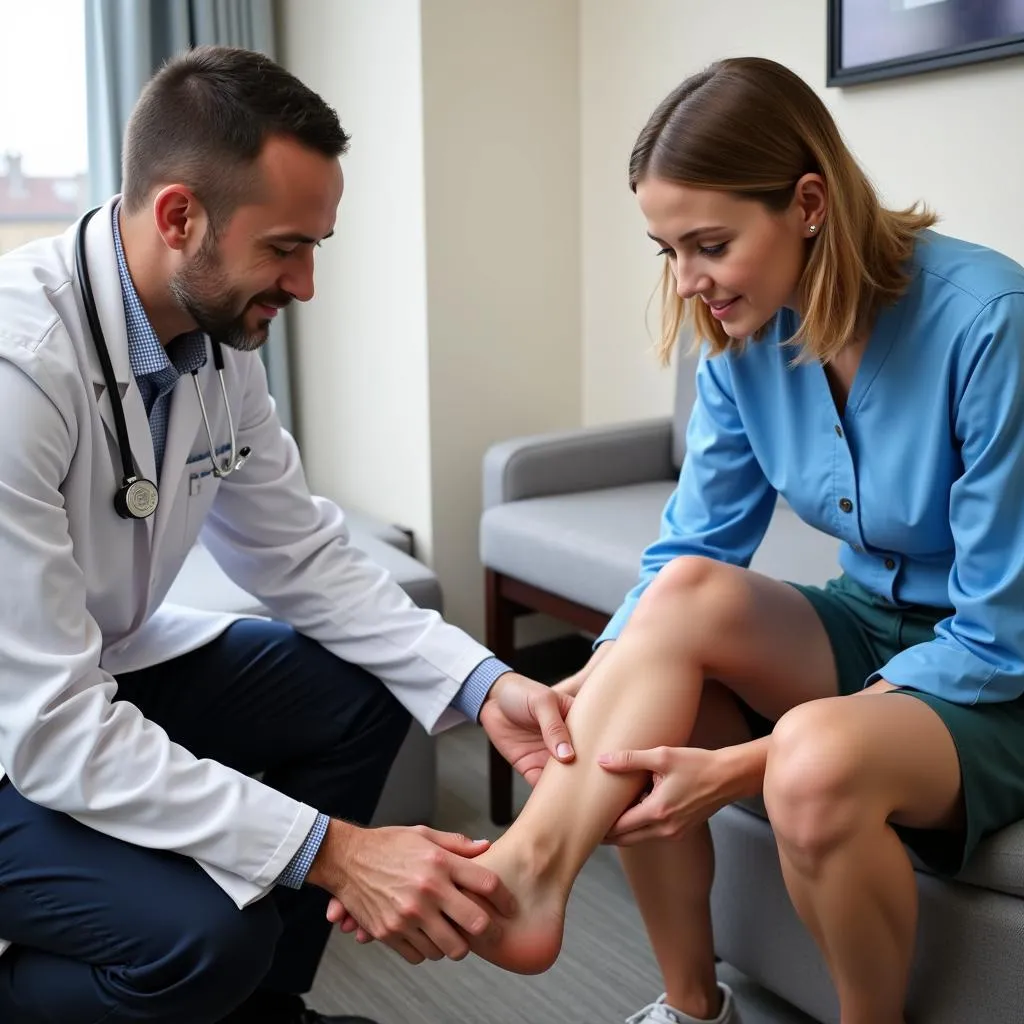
839	431
845	505
890	564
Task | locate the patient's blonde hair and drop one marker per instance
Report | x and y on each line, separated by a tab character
751	127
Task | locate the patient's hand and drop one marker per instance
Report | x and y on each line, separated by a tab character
687	787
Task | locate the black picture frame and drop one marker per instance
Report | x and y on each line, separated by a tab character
886	23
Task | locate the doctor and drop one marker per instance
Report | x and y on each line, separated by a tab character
145	875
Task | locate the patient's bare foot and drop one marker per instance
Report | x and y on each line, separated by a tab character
529	942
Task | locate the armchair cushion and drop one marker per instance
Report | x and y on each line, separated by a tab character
586	547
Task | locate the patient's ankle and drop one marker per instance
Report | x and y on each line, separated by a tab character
700	1002
535	853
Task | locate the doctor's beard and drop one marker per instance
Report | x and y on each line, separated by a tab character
203	290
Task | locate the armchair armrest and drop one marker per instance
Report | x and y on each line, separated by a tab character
578	460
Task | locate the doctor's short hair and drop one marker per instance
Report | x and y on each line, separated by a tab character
202	121
751	127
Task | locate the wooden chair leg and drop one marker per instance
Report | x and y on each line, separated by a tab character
500	638
501	777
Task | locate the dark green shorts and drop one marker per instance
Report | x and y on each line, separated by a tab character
866	631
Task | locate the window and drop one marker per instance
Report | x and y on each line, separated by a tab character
43	142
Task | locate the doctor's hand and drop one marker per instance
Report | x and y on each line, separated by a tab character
572	685
407	887
525	720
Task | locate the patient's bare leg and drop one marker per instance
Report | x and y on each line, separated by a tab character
699	619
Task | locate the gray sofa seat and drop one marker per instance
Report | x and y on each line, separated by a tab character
410	793
202	583
970	935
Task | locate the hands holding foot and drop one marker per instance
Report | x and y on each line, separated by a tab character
415	889
431	894
428	894
517	926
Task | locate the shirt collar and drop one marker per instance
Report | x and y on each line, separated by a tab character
145	353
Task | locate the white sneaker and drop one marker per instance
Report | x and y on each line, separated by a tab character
661	1013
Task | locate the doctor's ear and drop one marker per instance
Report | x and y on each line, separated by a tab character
180	217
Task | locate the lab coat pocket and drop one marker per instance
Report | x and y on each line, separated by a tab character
202	487
202	484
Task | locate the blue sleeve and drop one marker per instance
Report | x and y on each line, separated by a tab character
294	875
977	655
723	502
473	692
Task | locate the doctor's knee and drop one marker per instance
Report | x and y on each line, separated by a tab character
210	965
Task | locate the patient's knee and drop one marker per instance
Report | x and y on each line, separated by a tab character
813	789
697	595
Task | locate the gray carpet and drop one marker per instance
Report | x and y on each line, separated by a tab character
605	972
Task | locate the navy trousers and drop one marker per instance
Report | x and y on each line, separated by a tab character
104	931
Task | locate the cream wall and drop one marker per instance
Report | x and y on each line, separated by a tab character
948	137
361	346
501	117
448	307
490	274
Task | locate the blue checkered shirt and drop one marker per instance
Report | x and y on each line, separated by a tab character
156	371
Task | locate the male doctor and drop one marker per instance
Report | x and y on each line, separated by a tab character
145	875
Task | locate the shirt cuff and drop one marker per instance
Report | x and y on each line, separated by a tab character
294	875
473	692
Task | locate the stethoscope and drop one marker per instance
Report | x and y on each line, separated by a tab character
137	497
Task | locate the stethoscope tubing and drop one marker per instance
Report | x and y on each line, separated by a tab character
131	481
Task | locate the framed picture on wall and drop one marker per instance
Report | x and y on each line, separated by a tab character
873	39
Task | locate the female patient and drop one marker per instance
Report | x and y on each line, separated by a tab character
872	372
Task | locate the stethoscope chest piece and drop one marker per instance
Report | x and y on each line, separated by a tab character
136	499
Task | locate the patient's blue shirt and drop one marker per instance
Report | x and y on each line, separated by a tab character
921	478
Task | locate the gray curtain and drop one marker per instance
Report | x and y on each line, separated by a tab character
126	41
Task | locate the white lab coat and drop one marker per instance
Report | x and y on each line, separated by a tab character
82	589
